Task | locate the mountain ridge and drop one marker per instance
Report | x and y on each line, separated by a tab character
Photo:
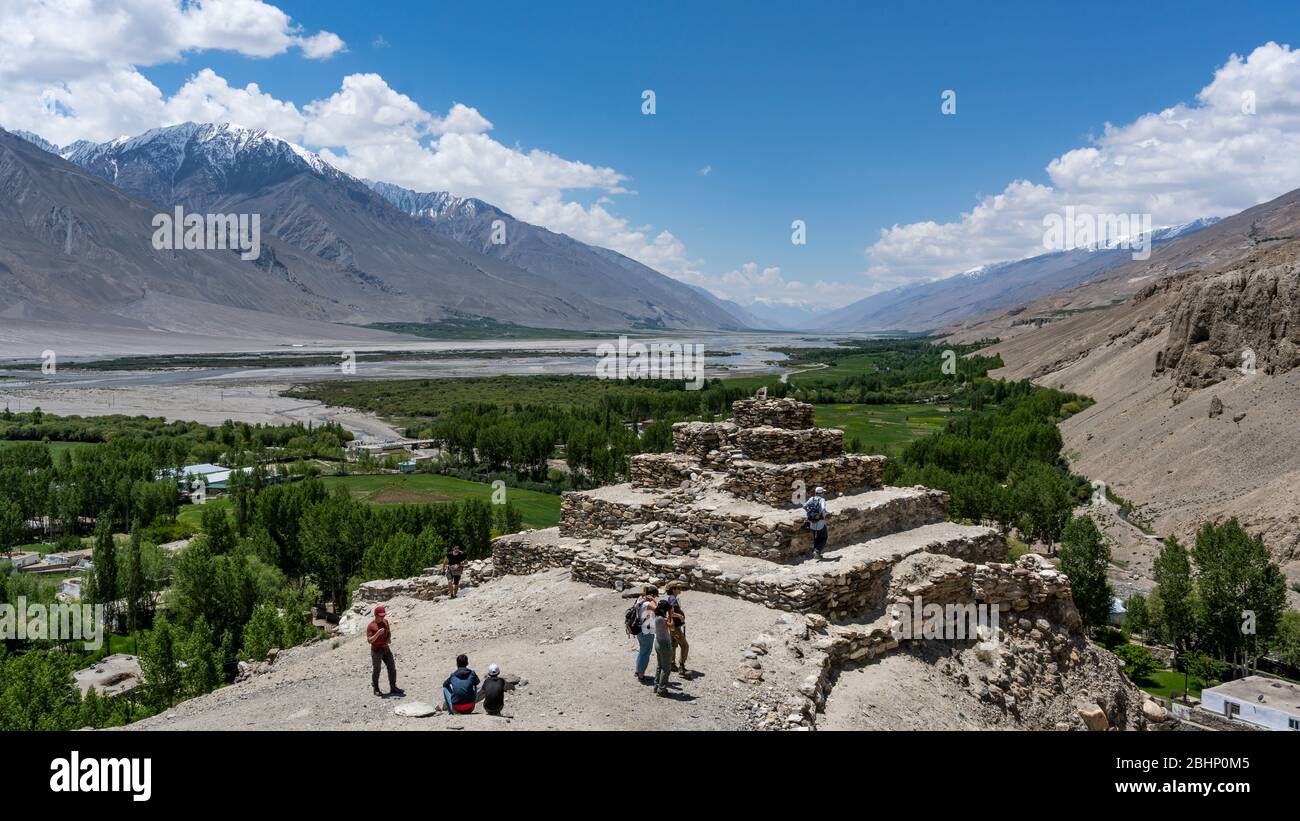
357	258
929	305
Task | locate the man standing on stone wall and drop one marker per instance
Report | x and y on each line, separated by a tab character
815	509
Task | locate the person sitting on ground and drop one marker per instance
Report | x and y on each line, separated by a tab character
677	625
460	690
494	691
455	562
380	635
663	638
815	508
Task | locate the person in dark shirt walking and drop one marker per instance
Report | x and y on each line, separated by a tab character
380	634
494	691
455	567
461	688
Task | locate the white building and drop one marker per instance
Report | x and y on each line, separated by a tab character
21	560
71	589
1266	702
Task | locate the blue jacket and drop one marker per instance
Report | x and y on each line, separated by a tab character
463	685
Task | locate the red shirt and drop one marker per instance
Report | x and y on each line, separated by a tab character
381	642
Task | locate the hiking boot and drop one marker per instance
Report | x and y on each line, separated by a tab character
397	691
379	692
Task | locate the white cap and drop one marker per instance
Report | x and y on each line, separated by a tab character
819	491
493	669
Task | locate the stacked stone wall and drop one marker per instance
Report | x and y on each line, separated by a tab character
661	470
779	413
776	484
778	538
782	446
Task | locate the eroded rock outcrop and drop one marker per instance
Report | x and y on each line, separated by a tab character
1243	321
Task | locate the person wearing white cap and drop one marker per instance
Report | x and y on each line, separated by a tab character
815	509
494	691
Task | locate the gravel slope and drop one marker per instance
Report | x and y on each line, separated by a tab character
566	640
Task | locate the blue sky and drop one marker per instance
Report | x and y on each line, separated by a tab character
825	112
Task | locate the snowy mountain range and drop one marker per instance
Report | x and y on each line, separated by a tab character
341	251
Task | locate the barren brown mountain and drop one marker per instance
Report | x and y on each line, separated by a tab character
1191	357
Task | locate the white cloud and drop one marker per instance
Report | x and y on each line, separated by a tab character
68	71
752	284
1207	158
208	98
68	68
704	172
321	46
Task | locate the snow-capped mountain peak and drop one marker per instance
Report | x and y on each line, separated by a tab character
222	148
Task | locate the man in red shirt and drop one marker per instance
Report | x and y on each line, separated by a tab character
379	634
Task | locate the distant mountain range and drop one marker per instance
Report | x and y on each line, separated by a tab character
75	232
590	269
929	305
75	246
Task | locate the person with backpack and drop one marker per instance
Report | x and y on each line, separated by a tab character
815	510
494	691
460	690
663	639
677	625
639	622
455	562
379	634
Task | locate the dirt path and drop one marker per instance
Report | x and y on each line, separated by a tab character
565	639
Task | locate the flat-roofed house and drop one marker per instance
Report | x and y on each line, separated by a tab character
1269	703
21	559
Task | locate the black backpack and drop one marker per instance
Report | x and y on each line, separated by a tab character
632	619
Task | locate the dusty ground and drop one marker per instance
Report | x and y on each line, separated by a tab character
210	404
869	697
565	639
23	338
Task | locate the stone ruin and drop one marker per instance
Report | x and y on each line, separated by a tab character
722	514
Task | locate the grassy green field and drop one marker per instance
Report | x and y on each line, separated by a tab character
193	514
1167	682
56	448
538	509
883	429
